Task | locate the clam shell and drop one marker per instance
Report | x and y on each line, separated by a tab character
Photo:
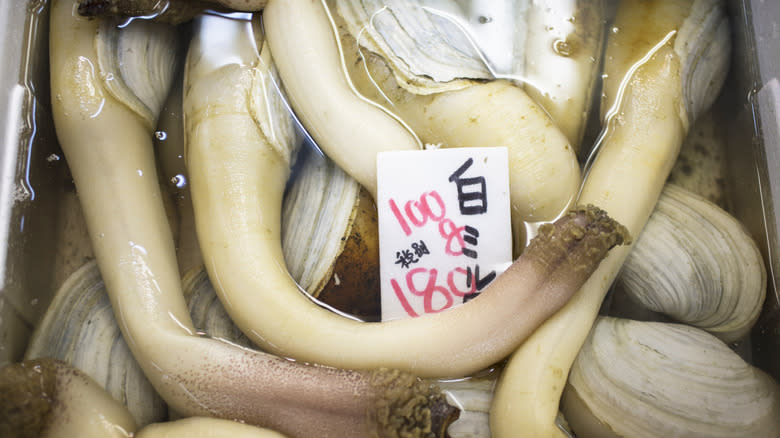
704	43
650	379
79	327
428	44
317	216
269	106
137	63
207	312
473	396
354	287
697	264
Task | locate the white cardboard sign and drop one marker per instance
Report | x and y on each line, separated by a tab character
444	227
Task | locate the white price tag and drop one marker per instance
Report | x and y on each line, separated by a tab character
444	227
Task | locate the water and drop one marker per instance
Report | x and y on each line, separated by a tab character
30	174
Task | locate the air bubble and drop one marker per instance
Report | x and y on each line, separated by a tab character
52	158
484	20
161	135
179	181
562	47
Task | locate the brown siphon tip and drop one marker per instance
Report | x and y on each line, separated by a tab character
28	391
409	406
579	240
97	8
442	415
168	11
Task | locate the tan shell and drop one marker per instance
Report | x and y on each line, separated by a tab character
79	328
430	48
697	264
137	62
208	314
317	216
473	396
650	379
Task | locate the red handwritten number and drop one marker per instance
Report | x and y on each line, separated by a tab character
430	289
454	236
429	206
424	209
402	298
469	280
401	220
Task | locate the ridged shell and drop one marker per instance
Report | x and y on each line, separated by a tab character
697	264
208	314
429	44
137	62
651	379
79	327
704	43
473	396
317	217
269	107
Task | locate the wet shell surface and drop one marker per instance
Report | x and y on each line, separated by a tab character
704	42
137	62
430	46
473	397
317	216
697	264
79	328
650	379
208	315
